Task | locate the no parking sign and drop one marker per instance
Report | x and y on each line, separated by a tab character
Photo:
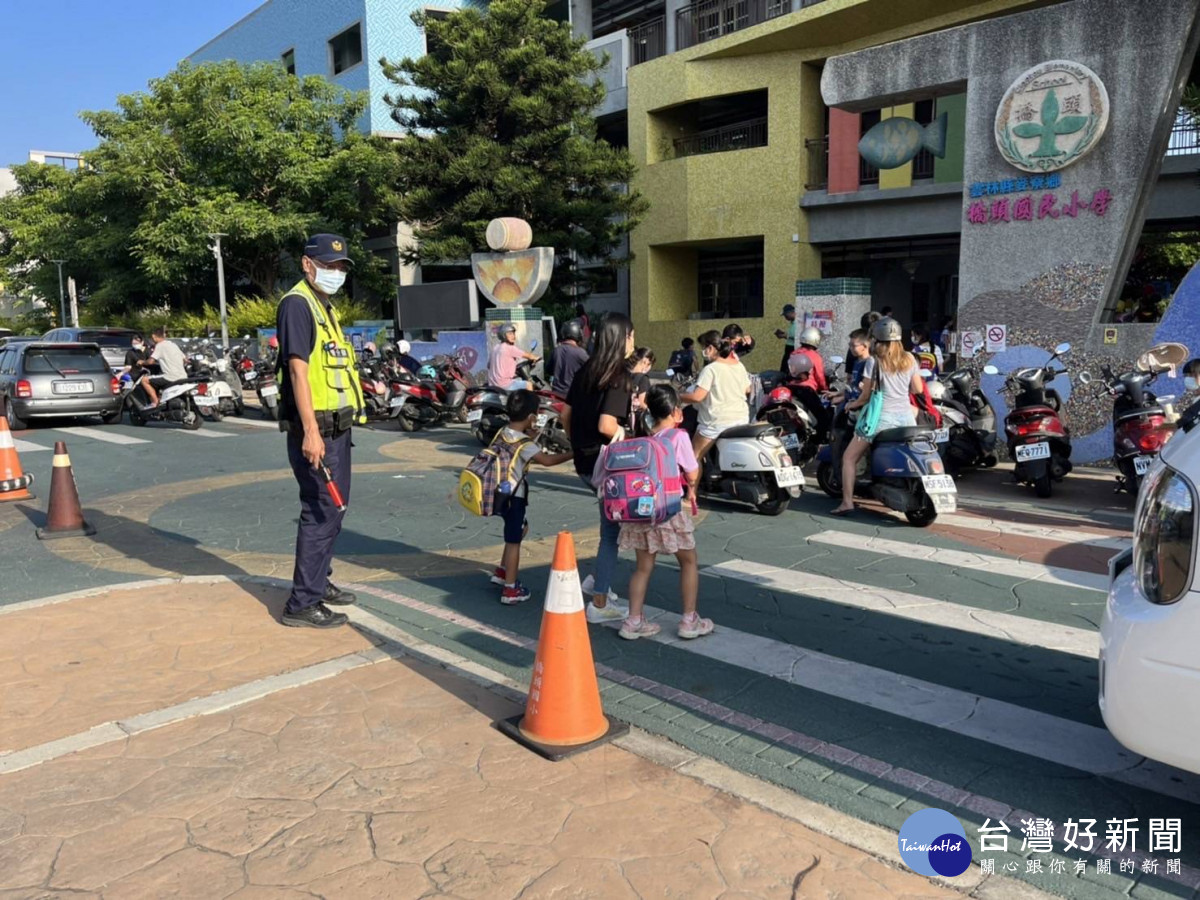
997	338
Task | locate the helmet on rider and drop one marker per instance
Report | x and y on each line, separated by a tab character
273	342
887	330
370	349
403	347
800	365
780	395
572	331
810	337
506	328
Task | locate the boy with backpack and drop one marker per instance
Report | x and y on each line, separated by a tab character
494	484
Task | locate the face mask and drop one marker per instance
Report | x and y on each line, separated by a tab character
329	281
139	347
1190	383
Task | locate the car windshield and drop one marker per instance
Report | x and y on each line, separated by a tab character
64	360
122	339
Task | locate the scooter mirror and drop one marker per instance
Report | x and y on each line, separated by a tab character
1085	378
533	346
926	374
989	369
1061	349
670	373
837	360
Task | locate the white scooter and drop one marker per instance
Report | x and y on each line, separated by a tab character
182	403
748	463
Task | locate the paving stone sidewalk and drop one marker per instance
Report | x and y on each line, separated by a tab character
386	781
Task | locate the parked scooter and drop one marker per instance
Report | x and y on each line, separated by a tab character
180	403
1142	422
967	437
418	402
1038	441
222	383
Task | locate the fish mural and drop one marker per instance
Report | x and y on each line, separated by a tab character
895	141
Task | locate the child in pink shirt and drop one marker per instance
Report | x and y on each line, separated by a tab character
676	535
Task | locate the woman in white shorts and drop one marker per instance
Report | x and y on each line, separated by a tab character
721	393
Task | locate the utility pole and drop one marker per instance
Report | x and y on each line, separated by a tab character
216	252
62	302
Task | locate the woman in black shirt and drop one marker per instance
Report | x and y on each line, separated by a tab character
596	412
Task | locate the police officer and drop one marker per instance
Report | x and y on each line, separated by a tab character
320	399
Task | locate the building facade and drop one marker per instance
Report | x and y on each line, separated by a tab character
745	119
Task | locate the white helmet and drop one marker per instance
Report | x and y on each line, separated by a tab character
403	346
799	364
810	336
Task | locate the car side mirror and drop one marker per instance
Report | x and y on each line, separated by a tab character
1061	349
989	369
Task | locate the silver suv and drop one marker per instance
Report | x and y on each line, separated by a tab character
40	379
114	342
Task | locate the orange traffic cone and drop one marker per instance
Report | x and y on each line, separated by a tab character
563	714
64	516
14	483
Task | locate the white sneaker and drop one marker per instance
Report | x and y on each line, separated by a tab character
610	613
590	582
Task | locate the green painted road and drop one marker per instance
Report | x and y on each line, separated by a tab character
868	678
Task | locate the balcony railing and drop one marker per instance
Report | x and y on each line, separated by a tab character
922	165
818	163
720	140
707	20
1185	137
648	41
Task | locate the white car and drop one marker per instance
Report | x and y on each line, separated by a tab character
1149	665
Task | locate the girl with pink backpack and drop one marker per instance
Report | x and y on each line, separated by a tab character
676	535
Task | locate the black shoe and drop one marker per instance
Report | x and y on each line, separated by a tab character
317	616
337	596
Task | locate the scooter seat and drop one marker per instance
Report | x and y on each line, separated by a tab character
902	435
1139	413
754	429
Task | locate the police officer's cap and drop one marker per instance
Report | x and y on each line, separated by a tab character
327	248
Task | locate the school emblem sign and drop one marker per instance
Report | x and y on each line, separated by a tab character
1052	116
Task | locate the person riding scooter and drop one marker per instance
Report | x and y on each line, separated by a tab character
172	367
811	379
569	357
503	360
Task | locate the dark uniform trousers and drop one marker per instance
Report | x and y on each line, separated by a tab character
788	350
320	521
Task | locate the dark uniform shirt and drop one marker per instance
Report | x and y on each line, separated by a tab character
568	359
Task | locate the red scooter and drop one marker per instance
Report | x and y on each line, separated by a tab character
1038	441
418	402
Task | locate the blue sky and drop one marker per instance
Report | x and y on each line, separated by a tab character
58	57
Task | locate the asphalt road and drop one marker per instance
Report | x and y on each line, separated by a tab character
867	665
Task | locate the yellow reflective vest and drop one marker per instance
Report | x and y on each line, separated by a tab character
332	374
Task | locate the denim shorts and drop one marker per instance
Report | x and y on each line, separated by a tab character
512	510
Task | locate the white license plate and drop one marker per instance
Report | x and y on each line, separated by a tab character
73	387
791	441
789	476
1141	464
938	484
251	375
941	436
1029	452
475	415
542	419
205	401
269	390
944	503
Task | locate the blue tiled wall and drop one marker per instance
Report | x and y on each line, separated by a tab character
279	25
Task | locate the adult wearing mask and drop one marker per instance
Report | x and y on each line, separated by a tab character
722	392
569	357
894	373
504	358
597	412
789	336
320	398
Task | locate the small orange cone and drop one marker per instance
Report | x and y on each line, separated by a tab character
64	516
563	714
14	483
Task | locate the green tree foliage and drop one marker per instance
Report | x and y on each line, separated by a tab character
247	150
499	119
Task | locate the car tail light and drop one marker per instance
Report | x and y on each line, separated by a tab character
202	389
24	390
1164	529
115	386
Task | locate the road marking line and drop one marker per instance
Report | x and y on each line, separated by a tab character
942	613
26	447
108	437
203	432
1060	535
960	559
1137	771
257	423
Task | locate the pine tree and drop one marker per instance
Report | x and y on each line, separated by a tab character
498	118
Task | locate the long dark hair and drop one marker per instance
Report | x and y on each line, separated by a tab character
713	338
606	368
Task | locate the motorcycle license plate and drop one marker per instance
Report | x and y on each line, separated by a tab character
251	375
791	441
938	484
1030	452
789	476
205	401
475	415
941	436
1141	464
542	419
270	390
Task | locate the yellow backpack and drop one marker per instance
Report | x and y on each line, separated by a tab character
481	479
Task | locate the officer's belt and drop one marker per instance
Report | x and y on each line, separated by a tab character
331	423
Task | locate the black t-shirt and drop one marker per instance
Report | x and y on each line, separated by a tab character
568	360
132	358
586	409
297	333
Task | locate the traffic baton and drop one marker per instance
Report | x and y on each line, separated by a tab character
334	493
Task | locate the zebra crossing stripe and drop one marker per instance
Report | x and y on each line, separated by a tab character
942	613
108	436
960	559
1061	535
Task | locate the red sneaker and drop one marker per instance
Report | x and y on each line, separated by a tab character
498	576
